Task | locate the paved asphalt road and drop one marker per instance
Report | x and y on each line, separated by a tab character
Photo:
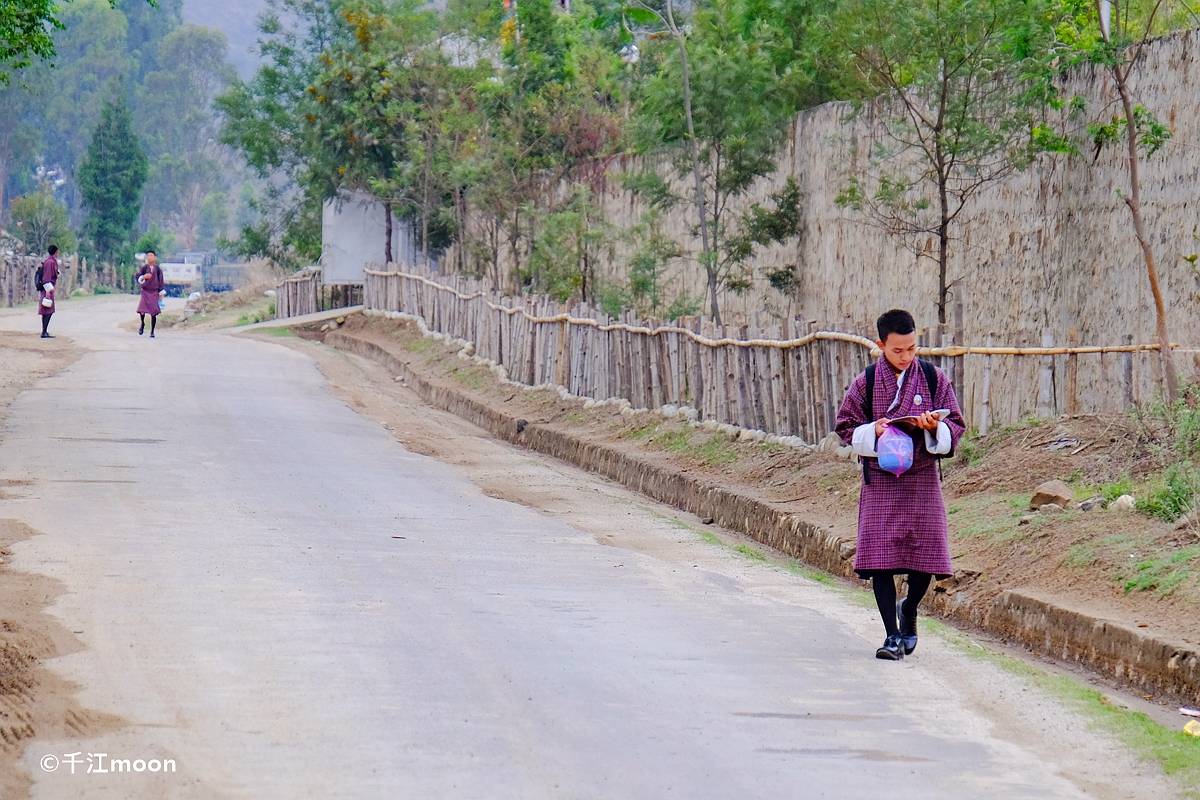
271	590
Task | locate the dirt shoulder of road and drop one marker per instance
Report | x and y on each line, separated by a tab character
1097	565
34	702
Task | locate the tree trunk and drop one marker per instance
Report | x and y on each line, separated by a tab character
460	225
494	245
706	254
1134	202
514	242
426	203
943	252
5	158
387	227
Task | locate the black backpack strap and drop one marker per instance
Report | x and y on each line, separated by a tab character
869	410
931	380
869	400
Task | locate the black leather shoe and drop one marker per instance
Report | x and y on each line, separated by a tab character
908	630
892	649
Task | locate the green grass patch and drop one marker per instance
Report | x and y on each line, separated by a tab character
970	448
1019	503
475	378
1081	554
1111	491
1174	496
1165	573
642	432
674	441
815	575
752	553
715	451
263	314
419	344
282	332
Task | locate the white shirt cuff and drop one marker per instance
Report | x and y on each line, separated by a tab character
864	440
941	445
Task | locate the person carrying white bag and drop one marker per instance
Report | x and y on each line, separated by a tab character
45	279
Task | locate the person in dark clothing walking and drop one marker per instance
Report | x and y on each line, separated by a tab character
902	527
153	289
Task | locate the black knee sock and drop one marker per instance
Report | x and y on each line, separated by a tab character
153	323
142	328
918	584
46	323
885	597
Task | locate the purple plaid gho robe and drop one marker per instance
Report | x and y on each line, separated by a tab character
901	519
49	275
148	302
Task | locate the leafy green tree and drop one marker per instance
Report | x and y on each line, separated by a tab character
92	64
567	249
178	127
717	112
269	120
550	115
26	32
214	220
148	26
365	103
1112	37
650	262
21	135
112	179
41	220
959	109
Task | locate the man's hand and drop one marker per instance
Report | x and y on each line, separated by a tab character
928	421
881	426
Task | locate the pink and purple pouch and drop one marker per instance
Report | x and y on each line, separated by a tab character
895	450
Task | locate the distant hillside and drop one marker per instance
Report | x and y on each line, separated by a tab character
238	19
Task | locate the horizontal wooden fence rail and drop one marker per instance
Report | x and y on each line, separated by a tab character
787	382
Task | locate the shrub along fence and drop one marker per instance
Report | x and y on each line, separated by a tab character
788	380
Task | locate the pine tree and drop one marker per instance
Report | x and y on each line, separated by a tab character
112	179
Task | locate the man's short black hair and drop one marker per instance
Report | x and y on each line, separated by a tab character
151	252
895	321
53	249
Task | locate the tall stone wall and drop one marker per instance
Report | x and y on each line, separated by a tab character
1049	249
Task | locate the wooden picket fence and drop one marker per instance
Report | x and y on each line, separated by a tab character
16	278
298	295
789	382
306	293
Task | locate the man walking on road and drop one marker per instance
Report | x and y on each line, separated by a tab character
45	280
901	415
153	289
